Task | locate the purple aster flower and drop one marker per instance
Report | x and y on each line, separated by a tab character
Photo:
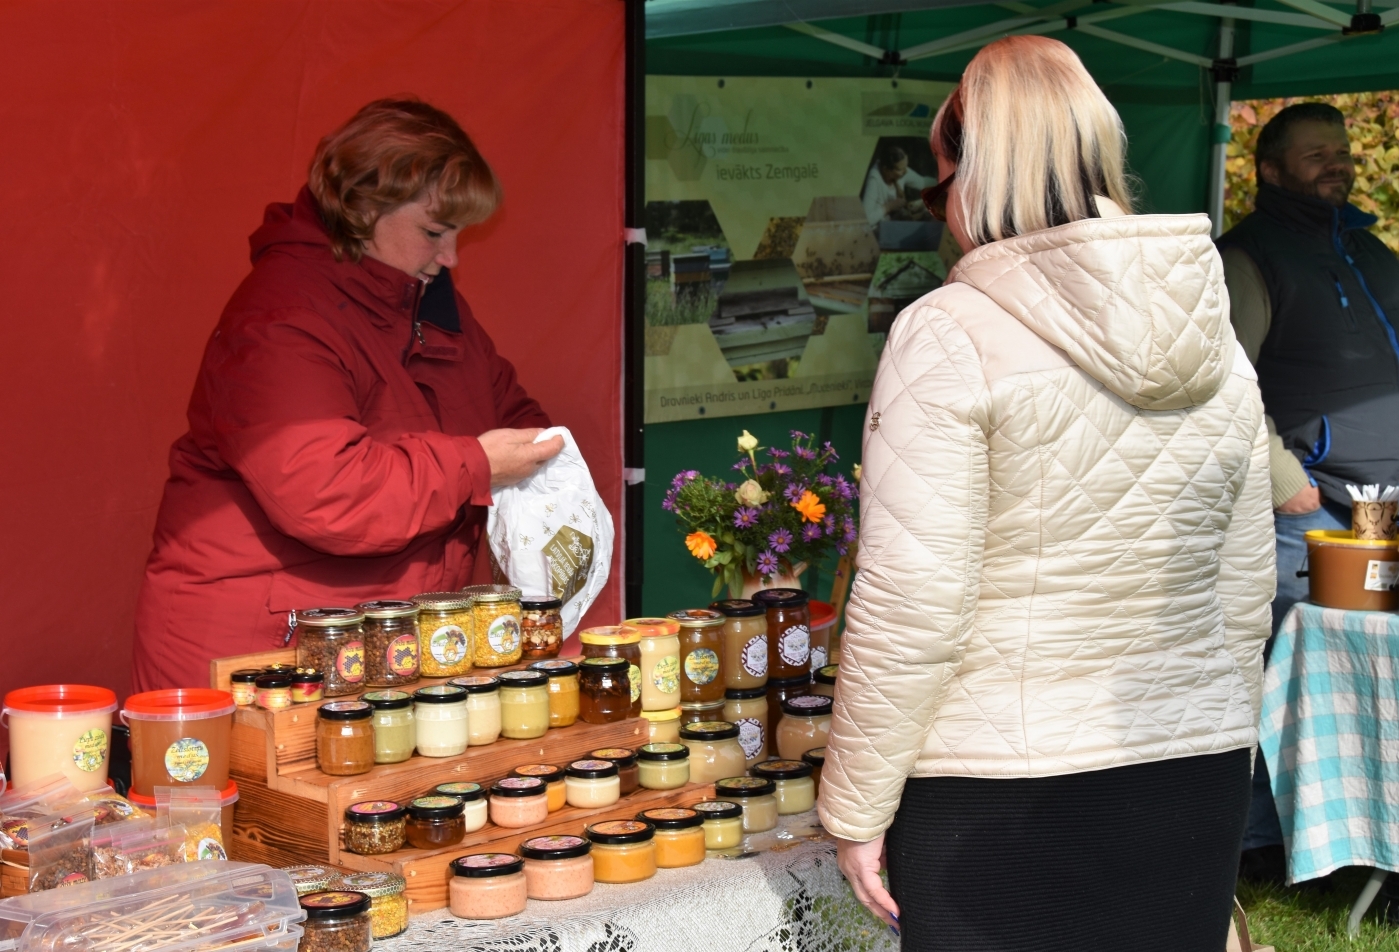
781	540
669	503
850	532
683	477
811	532
741	464
824	480
799	435
767	563
842	487
830	523
794	492
781	470
841	549
831	451
745	516
775	453
804	453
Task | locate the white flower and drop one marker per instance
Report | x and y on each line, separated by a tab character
750	493
747	443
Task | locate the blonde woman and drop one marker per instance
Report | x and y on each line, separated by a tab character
1052	671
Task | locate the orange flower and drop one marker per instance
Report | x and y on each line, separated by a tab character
702	544
810	506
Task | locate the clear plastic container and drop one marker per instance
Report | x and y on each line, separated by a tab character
390	643
179	737
60	728
331	641
444	634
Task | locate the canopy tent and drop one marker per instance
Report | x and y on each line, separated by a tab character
1170	67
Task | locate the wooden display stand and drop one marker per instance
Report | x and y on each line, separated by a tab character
289	812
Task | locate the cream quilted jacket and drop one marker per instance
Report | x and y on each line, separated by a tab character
1066	546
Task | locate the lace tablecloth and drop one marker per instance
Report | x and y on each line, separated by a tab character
783	893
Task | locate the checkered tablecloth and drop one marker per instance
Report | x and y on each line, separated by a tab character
1330	734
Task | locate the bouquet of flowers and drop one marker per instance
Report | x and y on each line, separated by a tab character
783	513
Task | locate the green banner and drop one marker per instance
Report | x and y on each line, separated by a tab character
784	233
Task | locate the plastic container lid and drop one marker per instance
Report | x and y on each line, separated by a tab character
652	627
546	772
663	752
440	694
179	704
436	808
709	730
671	818
481	865
328	617
374	885
718	809
807	705
671	715
1345	537
782	770
309	676
539	603
286	669
609	635
387	700
555	668
592	769
388	609
826	674
463	790
781	598
617	832
442	601
621	756
311	879
345	711
738	608
375	811
61	700
744	787
555	847
334	904
816	756
476	683
697	618
245	675
519	787
523	679
745	694
227	797
492	593
823	614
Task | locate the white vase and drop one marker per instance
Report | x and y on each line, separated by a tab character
756	583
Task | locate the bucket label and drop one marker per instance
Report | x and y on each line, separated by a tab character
402	656
90	750
702	666
750	737
1381	576
665	674
448	644
755	656
795	645
504	634
186	760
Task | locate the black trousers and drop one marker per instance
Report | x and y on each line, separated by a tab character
1138	859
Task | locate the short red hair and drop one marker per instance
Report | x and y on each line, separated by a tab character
395	151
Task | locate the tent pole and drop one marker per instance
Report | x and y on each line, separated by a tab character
634	316
1225	71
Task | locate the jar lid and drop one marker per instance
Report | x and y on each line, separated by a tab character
463	790
603	664
745	694
328	617
442	601
717	809
546	772
826	675
336	904
245	676
387	609
523	679
784	683
621	756
539	603
440	694
265	681
287	669
738	608
311	879
492	593
617	832
744	787
435	808
483	865
374	885
387	700
179	704
345	711
518	787
476	683
781	598
671	715
652	627
307	677
61	700
608	635
663	752
816	756
697	618
701	706
592	769
807	705
555	668
709	730
782	769
671	818
555	847
374	811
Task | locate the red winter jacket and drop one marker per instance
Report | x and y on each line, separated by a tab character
331	455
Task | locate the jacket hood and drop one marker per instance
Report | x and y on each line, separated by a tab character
1137	301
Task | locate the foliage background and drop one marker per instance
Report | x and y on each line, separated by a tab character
1373	122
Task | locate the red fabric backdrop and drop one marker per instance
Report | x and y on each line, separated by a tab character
142	140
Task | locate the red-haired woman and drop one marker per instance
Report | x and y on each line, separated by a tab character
350	417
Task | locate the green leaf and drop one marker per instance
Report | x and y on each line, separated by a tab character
718	584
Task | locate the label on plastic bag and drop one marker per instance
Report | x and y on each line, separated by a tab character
1381	576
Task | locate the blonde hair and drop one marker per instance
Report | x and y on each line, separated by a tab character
1038	140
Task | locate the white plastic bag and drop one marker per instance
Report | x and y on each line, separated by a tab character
552	534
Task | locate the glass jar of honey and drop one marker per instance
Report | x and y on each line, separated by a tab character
663	727
624	851
806	722
495	612
660	661
779	692
563	690
524	704
745	643
435	822
795	790
331	641
611	641
541	626
747	708
444	634
390	643
714	751
679	836
789	631
823	680
604	692
697	711
701	646
345	738
817	758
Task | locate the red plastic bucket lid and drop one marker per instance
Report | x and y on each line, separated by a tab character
61	700
227	797
179	704
822	614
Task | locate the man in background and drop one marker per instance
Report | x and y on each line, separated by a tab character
885	194
1314	298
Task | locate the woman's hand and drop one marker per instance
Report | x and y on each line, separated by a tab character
514	455
861	863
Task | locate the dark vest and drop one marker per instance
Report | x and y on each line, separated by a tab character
1329	367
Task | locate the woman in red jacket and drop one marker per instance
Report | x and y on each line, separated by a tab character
350	417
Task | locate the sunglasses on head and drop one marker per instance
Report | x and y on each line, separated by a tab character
949	134
935	198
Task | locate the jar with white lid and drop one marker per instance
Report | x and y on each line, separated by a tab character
482	708
524	704
592	784
557	867
660	661
441	720
723	824
794	789
473	801
756	796
748	709
663	766
714	751
806	723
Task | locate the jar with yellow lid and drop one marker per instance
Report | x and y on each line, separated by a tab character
660	661
745	643
388	906
563	690
624	851
495	612
723	824
794	789
611	641
701	647
444	634
331	641
679	836
663	727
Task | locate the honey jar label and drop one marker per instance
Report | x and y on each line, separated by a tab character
634	675
504	634
755	656
186	760
750	737
210	848
702	665
402	655
349	663
90	750
818	657
795	645
665	674
447	644
1381	576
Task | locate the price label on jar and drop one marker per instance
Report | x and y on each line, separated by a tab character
818	657
634	674
402	656
755	656
186	760
349	662
1381	576
702	666
795	645
504	634
750	737
447	644
90	750
665	674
